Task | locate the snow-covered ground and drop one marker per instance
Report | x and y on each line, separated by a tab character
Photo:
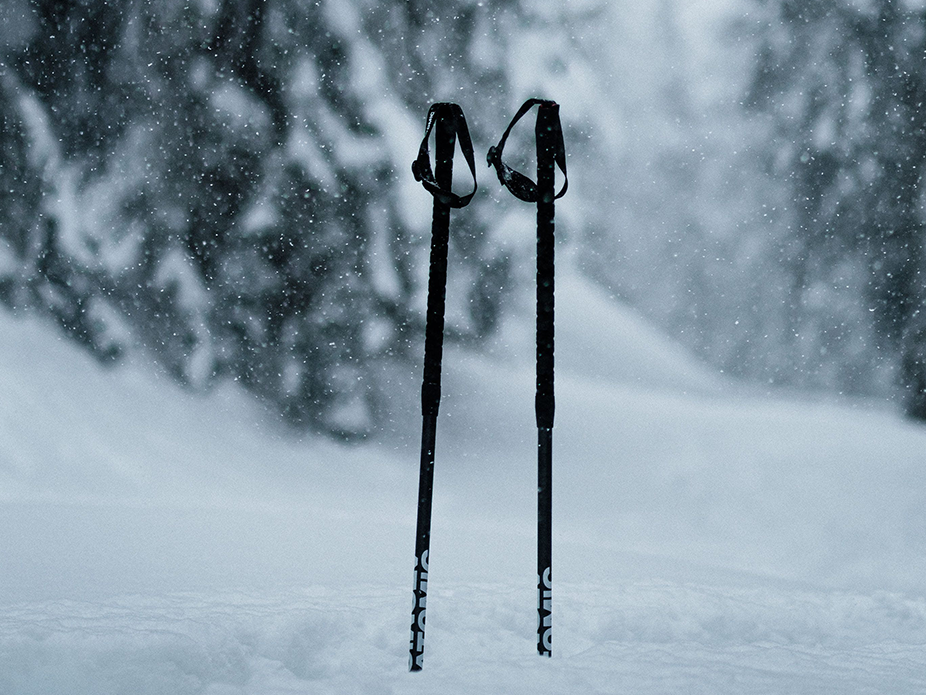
706	540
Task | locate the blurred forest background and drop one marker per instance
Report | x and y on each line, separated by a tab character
222	186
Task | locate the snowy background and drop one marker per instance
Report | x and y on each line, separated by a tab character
212	273
706	539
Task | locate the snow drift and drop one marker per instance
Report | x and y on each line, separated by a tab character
705	540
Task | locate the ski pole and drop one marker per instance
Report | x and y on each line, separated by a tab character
449	124
551	153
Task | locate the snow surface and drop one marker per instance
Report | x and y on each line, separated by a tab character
705	540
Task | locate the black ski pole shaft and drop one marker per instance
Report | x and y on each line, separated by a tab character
444	138
448	122
550	154
547	122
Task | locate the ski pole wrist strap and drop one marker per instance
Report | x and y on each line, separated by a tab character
517	183
421	167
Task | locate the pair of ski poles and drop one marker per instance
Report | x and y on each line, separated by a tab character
449	126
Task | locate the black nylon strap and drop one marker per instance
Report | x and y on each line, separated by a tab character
421	167
517	183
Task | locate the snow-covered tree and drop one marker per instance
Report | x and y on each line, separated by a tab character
225	185
844	83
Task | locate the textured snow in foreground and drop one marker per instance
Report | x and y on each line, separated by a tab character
706	541
655	637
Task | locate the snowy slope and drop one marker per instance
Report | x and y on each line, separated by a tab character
705	541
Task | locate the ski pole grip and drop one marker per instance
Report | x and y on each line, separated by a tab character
519	185
452	118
